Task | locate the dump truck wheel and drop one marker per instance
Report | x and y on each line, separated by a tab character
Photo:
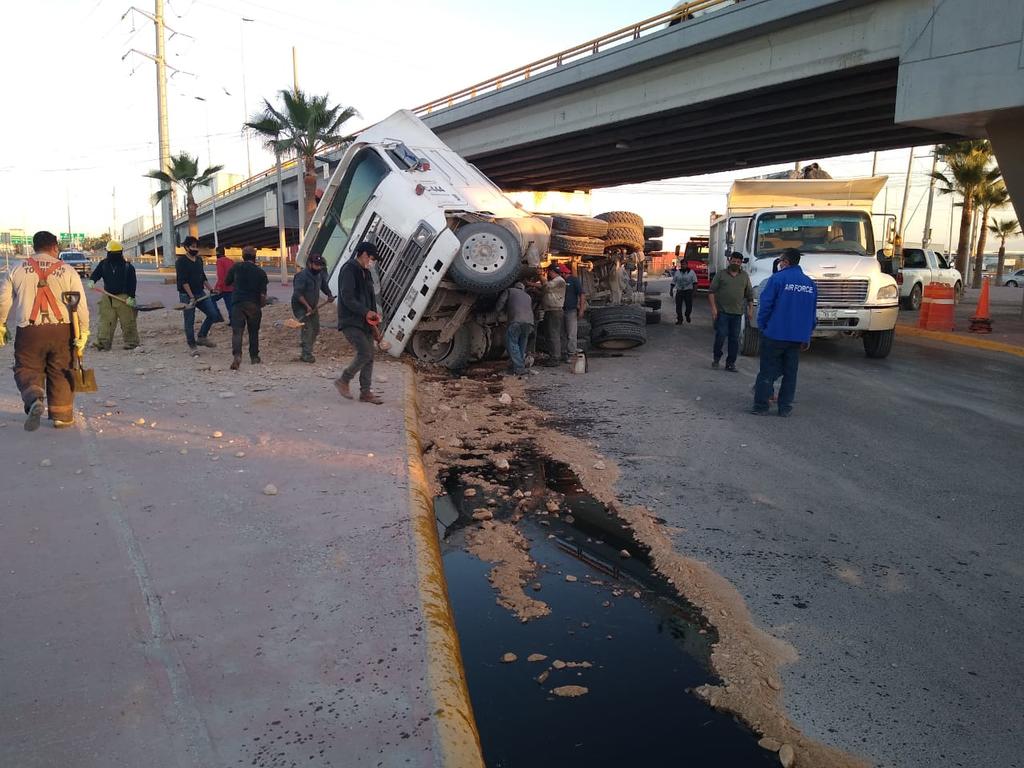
616	315
619	336
453	355
624	236
622	218
653	231
488	260
878	344
652	245
580	226
580	246
750	340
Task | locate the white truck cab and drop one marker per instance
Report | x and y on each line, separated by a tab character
446	236
830	222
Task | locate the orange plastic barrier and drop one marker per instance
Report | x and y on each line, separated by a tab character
982	321
940	305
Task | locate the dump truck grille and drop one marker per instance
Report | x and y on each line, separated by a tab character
840	293
395	269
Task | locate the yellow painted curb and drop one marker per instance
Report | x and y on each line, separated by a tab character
964	341
453	713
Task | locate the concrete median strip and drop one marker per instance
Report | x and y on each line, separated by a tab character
456	727
964	341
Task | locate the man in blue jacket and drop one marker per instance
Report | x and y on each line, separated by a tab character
786	315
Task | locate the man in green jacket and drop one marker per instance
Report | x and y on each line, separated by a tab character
730	295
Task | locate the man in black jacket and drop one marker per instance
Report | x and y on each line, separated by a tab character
248	296
118	276
357	314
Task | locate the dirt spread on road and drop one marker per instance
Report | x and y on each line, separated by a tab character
466	417
501	544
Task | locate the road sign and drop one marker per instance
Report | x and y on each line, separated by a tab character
72	235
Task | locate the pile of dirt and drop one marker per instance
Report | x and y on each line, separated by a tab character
480	419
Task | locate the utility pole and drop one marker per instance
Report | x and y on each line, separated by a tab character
926	237
874	162
300	164
952	206
906	195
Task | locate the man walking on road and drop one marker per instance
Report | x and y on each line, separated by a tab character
118	277
684	281
43	340
306	290
194	287
574	307
357	314
519	309
786	316
249	287
553	304
730	296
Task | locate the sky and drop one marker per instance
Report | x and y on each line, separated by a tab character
85	129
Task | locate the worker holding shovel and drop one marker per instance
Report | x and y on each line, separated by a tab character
43	342
306	290
118	301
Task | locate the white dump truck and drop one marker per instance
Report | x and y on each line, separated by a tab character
830	221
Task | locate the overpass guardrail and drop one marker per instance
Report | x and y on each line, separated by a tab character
635	31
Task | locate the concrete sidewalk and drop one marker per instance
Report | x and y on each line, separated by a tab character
160	609
1007	324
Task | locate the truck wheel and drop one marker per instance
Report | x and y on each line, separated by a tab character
958	292
1011	283
913	301
652	303
580	226
488	260
653	231
454	355
750	340
600	316
622	218
652	245
624	236
580	246
619	336
653	317
878	344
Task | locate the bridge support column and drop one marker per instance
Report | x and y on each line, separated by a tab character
1007	139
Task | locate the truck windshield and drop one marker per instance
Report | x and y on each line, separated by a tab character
363	176
814	232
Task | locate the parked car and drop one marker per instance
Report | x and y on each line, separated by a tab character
922	267
1013	279
78	260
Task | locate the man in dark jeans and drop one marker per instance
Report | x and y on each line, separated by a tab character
306	290
249	294
786	315
192	284
357	313
730	296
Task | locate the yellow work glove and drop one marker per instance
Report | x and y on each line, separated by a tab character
4	335
130	301
82	341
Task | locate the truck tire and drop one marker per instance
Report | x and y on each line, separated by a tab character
619	336
652	245
580	226
580	246
652	317
958	292
583	330
622	218
750	340
616	315
454	355
653	231
652	303
488	260
878	344
624	236
913	300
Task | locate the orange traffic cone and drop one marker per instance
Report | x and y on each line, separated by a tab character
982	322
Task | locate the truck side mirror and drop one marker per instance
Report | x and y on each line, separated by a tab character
890	265
730	233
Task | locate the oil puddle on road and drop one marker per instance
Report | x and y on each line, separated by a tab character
601	678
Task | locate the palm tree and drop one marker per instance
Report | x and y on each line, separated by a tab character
303	125
1003	229
184	171
990	194
966	168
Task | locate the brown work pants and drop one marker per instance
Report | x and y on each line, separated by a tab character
42	367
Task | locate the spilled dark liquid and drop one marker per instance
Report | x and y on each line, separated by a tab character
648	648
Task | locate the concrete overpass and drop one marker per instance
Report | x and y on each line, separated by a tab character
745	83
721	85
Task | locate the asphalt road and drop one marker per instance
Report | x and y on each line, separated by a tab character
877	530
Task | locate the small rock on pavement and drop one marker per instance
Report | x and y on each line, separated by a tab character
570	691
483	514
270	490
505	398
536	657
770	744
110	404
508	658
551	506
501	464
787	757
517	494
570	577
624	553
226	395
217	433
140	422
183	451
240	455
140	371
599	465
45	463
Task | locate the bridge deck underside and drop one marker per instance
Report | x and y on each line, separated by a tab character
844	112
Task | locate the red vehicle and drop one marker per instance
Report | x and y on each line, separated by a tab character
696	257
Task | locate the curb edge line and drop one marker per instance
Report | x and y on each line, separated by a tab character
949	338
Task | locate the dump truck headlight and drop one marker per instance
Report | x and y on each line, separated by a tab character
887	292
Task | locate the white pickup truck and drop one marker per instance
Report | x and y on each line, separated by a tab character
922	267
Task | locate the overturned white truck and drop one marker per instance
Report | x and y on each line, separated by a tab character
830	221
446	235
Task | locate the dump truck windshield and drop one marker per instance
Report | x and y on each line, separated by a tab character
814	232
363	176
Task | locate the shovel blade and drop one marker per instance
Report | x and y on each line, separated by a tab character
291	322
150	306
85	380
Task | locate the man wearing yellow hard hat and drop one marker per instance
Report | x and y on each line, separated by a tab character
118	300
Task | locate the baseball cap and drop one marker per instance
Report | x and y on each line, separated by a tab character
564	269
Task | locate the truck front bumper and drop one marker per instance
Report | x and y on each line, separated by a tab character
834	320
